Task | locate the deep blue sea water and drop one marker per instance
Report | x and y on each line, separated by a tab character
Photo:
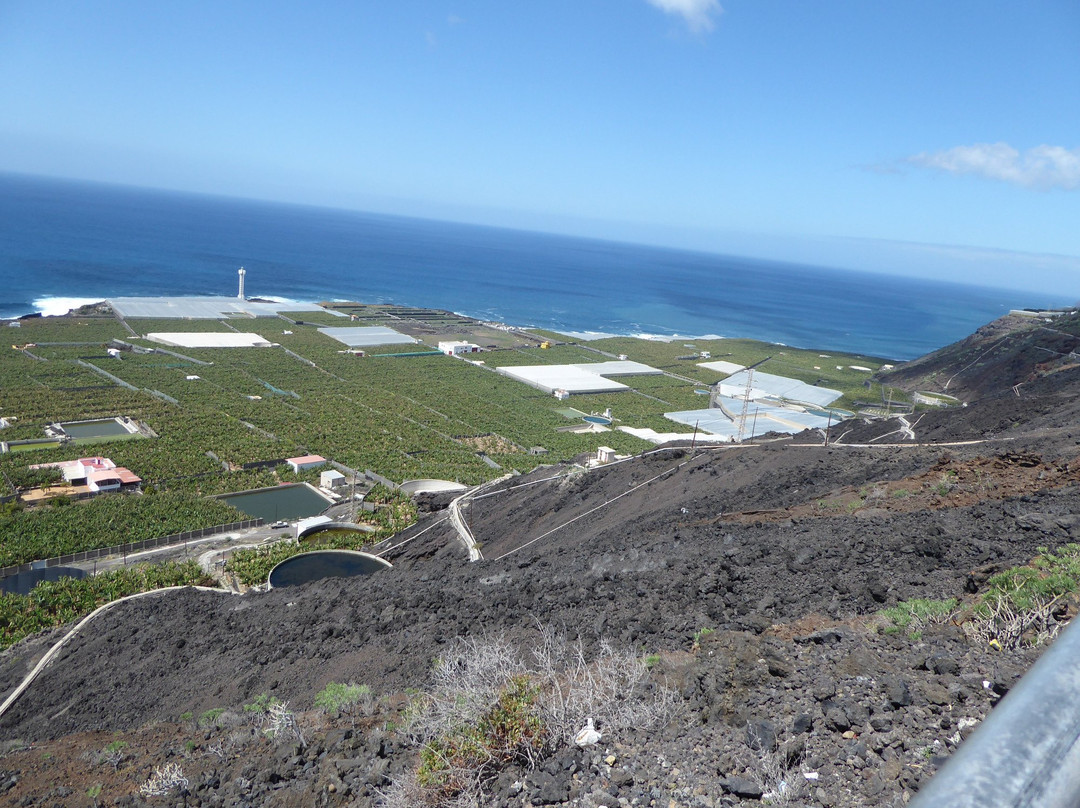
63	243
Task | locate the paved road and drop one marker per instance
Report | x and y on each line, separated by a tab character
221	544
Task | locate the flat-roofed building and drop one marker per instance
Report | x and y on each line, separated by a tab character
456	347
331	479
298	464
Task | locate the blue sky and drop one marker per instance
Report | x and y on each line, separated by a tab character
932	138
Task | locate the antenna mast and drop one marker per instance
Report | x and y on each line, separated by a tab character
746	397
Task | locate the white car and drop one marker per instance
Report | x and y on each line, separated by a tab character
279	524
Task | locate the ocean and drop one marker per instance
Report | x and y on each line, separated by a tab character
64	243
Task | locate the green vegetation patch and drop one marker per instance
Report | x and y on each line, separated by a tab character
338	698
510	730
54	603
1051	575
63	527
405	418
914	614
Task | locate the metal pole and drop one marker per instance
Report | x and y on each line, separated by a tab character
1026	754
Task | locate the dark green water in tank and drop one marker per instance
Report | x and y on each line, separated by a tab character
106	427
315	566
281	502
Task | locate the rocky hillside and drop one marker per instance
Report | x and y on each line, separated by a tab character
746	618
1013	350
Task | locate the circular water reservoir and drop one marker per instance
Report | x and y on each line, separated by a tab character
319	564
596	419
326	531
24	582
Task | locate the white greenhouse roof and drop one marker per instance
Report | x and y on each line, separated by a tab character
196	339
367	336
570	378
651	435
588	377
767	384
618	368
720	366
202	308
769	418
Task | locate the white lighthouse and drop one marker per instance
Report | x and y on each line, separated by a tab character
242	273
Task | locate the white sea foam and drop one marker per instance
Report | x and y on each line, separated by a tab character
585	336
55	306
674	337
277	299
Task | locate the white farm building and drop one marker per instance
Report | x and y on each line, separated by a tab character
456	348
298	464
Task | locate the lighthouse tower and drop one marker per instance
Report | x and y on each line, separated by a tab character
240	294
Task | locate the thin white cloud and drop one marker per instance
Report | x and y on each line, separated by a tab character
1043	167
698	14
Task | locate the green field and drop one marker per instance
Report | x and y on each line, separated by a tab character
404	417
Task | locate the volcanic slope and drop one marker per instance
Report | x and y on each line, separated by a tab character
752	576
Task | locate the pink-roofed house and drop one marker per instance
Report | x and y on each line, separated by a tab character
114	479
98	474
298	464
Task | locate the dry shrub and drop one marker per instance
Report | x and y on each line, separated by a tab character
490	705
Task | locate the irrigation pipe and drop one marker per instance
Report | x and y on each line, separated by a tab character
598	507
510	488
52	652
417	536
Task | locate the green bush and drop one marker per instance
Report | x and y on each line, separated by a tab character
337	698
210	717
1020	607
1049	576
261	704
914	614
510	730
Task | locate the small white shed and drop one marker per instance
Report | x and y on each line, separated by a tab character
331	479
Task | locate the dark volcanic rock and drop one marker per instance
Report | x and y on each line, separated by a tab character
795	676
